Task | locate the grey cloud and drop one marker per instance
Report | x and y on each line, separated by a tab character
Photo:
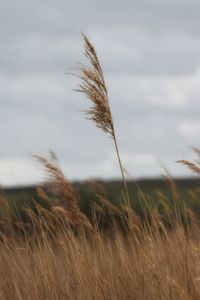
150	51
61	16
141	37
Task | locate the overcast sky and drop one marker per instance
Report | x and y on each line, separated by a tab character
150	53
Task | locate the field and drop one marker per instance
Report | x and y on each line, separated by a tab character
51	251
101	240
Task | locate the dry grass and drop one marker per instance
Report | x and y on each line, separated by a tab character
57	261
61	254
192	166
58	185
94	87
72	267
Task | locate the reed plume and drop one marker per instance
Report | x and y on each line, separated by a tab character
193	167
58	184
94	87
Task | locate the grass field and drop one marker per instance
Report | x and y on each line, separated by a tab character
64	254
101	240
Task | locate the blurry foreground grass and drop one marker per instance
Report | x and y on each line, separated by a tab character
51	249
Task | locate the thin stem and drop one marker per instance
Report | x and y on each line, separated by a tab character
120	165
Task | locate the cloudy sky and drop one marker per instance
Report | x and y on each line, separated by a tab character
150	53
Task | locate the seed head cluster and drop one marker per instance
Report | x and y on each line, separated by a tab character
94	87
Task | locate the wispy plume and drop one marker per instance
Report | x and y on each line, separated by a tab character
94	87
193	167
60	186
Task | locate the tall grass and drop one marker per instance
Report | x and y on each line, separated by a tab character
57	252
94	87
70	267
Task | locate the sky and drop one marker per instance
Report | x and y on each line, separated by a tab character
150	54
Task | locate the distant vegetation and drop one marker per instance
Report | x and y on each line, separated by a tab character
101	240
156	192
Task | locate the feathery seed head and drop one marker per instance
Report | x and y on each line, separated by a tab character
94	87
193	167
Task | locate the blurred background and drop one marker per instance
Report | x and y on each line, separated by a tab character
150	53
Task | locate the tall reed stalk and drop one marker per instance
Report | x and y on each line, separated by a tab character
94	87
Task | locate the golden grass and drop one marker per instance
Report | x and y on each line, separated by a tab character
63	190
94	87
65	258
60	254
70	267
